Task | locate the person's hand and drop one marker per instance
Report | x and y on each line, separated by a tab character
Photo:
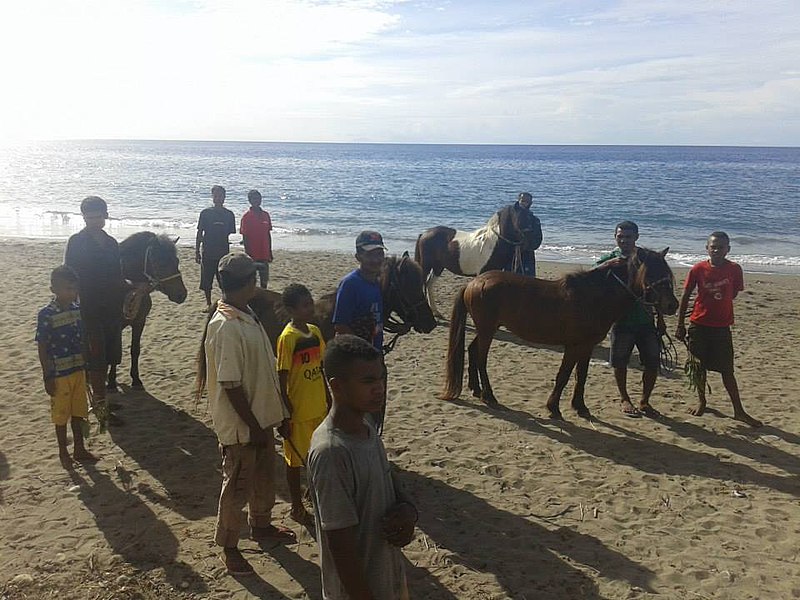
398	524
680	332
285	429
197	258
50	386
258	436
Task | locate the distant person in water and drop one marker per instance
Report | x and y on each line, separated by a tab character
216	223
59	337
718	281
636	328
94	256
524	259
256	237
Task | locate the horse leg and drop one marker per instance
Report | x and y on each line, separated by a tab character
474	382
111	379
137	327
562	378
484	342
581	373
429	283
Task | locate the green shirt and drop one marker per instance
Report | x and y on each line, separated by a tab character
638	314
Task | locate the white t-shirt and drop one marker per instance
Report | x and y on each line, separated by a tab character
238	353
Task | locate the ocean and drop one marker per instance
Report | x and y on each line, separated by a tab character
321	195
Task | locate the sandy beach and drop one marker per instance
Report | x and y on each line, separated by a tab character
512	505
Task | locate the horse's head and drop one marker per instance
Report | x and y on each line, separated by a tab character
651	279
403	286
516	227
162	270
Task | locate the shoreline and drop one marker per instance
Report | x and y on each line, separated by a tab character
336	249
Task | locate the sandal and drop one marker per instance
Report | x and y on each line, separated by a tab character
272	533
649	411
235	563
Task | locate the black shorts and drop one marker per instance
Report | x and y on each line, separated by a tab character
712	346
644	337
103	341
208	272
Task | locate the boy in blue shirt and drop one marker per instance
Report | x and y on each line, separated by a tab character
60	342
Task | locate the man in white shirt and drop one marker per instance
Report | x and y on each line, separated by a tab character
245	402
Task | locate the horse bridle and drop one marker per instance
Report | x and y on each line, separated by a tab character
155	282
409	309
642	299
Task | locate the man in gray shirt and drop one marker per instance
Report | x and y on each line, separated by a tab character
362	517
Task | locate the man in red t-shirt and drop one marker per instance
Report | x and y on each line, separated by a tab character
256	237
718	281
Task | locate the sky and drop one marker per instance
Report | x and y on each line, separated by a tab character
708	72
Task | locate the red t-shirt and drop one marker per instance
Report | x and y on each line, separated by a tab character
256	227
716	289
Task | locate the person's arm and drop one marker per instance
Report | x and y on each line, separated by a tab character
48	370
343	309
401	518
199	239
537	233
285	428
344	548
269	238
237	398
680	330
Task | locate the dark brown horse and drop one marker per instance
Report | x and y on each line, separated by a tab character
493	246
403	295
576	311
150	263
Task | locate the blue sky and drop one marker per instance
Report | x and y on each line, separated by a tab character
535	72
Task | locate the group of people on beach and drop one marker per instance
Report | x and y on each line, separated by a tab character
326	400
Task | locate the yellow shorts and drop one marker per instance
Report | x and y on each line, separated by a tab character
301	438
70	398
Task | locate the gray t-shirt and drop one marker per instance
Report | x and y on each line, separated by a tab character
352	484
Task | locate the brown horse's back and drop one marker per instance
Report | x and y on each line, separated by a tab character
433	252
538	310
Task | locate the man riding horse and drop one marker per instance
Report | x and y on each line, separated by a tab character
523	260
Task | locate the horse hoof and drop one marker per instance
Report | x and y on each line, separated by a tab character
137	385
491	403
112	387
583	412
555	414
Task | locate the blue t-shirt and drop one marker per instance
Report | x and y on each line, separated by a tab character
60	330
359	305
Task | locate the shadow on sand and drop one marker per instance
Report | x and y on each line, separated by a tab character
650	456
489	540
5	472
133	530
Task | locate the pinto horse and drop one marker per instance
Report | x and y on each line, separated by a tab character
150	263
576	311
493	246
402	285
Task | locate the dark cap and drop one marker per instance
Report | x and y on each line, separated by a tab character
237	264
369	240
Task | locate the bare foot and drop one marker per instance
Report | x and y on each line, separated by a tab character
65	459
649	411
628	409
698	410
743	416
83	455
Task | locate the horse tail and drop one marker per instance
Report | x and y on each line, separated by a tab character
202	369
455	348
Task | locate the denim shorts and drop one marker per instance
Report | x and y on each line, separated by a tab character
644	337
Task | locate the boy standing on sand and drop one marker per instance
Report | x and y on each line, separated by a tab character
58	336
718	282
256	237
214	226
94	256
245	403
362	517
300	350
636	328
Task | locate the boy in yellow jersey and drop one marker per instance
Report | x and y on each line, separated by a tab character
300	350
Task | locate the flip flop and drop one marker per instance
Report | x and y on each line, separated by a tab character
649	411
237	566
272	533
633	413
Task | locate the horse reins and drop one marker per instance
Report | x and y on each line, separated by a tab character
399	326
156	282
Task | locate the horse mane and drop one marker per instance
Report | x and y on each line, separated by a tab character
137	243
583	282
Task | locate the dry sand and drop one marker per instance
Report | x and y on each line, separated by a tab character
511	504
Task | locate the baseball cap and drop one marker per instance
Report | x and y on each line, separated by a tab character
369	240
237	265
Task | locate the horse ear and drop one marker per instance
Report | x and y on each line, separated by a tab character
405	254
664	251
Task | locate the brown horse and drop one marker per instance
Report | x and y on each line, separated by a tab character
493	246
401	282
150	263
576	311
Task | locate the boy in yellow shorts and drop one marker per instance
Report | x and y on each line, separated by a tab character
300	350
59	338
